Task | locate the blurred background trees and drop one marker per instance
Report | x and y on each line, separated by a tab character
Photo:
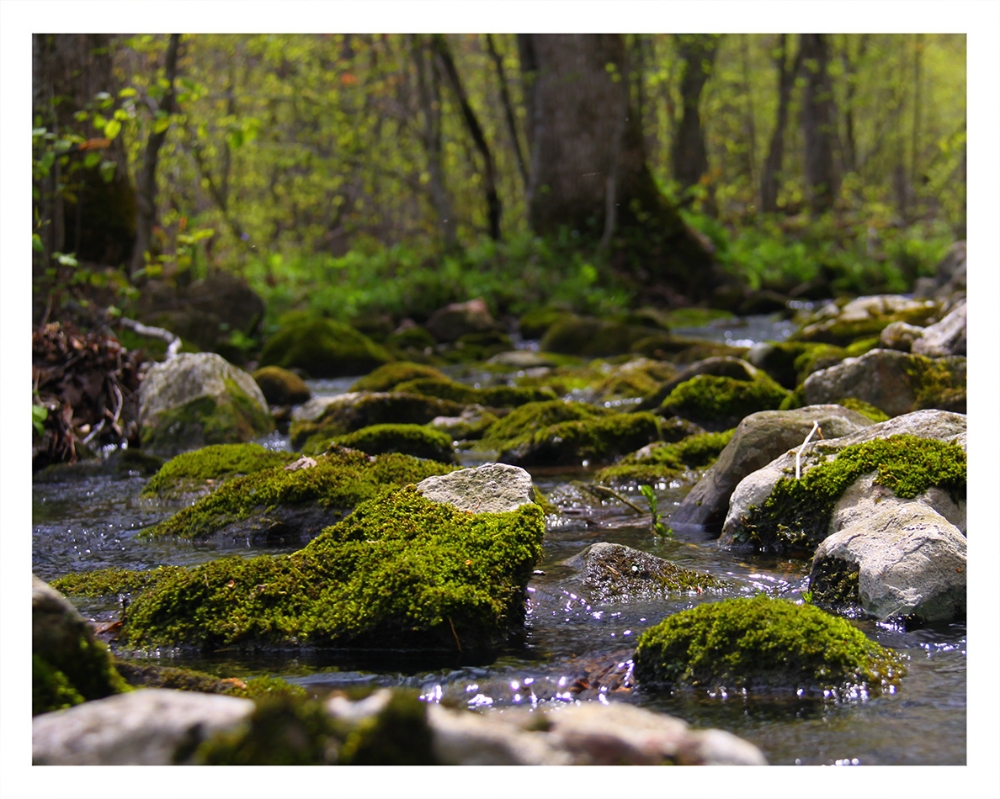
392	174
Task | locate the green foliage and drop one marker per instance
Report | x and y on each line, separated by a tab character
39	413
763	645
654	511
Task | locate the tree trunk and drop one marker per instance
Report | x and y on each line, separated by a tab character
508	109
583	149
771	177
817	122
688	156
146	183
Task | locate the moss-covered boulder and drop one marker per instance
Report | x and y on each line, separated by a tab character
402	572
764	646
846	321
719	403
592	338
633	379
296	501
492	396
534	323
390	375
205	469
349	412
662	461
194	400
323	348
420	441
281	387
563	433
68	664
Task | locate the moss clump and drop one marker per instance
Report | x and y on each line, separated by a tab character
528	419
865	409
51	689
591	338
535	322
339	480
397	735
281	387
494	396
937	382
74	672
323	348
417	440
387	377
662	461
110	582
834	583
400	572
195	471
796	515
718	403
765	645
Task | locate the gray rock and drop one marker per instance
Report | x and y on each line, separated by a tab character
894	382
491	488
759	439
947	337
460	319
949	282
174	415
900	336
909	561
150	727
521	359
864	316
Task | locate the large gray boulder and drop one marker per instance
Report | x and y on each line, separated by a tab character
894	382
150	727
902	560
491	488
759	439
196	399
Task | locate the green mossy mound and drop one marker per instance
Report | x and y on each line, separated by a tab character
662	461
281	387
492	397
796	515
719	403
371	409
204	468
337	482
537	321
592	338
634	379
111	581
387	377
763	645
864	409
475	347
401	572
417	440
323	348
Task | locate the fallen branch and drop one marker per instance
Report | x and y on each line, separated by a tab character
173	341
798	452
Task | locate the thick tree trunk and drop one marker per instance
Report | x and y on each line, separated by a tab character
818	122
688	156
771	177
588	165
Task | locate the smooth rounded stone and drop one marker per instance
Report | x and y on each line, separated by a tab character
904	560
900	336
716	366
520	359
491	488
149	727
759	439
459	319
756	487
171	419
883	378
947	337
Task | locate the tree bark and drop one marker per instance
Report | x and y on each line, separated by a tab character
689	157
582	150
818	122
771	177
146	183
508	109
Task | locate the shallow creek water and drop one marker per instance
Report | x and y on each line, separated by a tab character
92	523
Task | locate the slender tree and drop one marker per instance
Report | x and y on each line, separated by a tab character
771	174
818	122
689	158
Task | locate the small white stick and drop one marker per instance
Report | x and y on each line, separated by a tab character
798	452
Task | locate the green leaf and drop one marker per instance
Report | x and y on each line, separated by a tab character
91	160
107	171
112	129
36	243
39	413
161	123
127	92
99	121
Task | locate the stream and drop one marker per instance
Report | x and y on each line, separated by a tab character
88	523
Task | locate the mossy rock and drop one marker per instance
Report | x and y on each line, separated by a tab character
492	396
291	503
796	514
68	664
390	375
719	403
534	416
281	387
865	409
109	582
420	441
865	318
475	347
592	338
206	468
354	411
401	572
661	461
635	378
616	573
534	323
791	362
147	675
323	348
765	646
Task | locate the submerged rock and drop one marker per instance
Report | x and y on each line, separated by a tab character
193	400
613	572
763	646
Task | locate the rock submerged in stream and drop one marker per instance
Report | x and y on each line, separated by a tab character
617	573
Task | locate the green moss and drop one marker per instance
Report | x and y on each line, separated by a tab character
110	581
592	338
80	670
619	573
524	421
663	461
390	375
937	382
339	480
834	583
722	402
281	387
864	408
417	440
400	572
844	332
494	396
323	348
796	515
762	644
535	322
398	735
858	348
51	689
190	471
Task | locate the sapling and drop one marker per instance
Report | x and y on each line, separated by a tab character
657	519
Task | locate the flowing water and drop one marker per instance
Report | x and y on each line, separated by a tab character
89	523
